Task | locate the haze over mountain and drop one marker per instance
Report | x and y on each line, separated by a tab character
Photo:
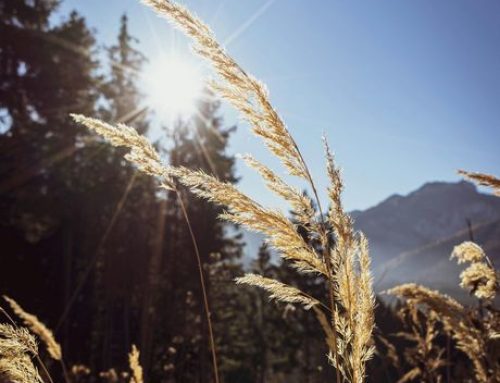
411	237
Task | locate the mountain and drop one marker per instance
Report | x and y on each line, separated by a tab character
411	237
430	264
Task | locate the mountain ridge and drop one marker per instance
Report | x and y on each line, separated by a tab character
416	232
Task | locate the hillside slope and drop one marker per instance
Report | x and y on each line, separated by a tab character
411	237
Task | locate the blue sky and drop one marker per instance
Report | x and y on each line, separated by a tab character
406	91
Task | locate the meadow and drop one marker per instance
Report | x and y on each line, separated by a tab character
233	324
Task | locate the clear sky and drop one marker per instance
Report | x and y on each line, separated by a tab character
406	91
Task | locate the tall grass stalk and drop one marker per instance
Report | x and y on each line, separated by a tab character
203	286
27	368
341	260
146	158
38	328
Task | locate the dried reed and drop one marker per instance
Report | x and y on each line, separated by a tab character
456	320
17	347
143	155
480	278
473	331
344	264
423	355
37	328
135	366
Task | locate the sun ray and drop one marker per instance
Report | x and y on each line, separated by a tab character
216	13
205	154
102	241
208	125
245	25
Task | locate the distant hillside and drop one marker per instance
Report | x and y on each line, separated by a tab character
411	237
430	264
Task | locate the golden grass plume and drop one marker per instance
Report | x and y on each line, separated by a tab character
456	320
17	347
480	278
344	263
278	290
37	328
135	366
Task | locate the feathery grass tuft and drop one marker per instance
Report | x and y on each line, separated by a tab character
279	291
480	278
17	347
341	259
37	328
247	95
135	366
456	321
468	252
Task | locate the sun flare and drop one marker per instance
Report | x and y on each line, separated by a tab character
172	86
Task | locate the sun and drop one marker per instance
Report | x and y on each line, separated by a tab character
172	86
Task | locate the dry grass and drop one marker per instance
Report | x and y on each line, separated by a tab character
37	328
480	278
339	256
424	355
135	366
17	348
473	330
457	322
345	265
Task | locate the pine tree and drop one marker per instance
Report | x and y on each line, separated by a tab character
119	282
234	320
45	72
199	143
121	90
67	200
268	319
